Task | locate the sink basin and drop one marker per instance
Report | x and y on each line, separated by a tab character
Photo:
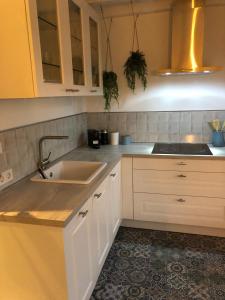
73	172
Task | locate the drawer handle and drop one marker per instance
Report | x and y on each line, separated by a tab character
182	163
181	200
83	213
72	90
113	175
93	91
181	176
97	195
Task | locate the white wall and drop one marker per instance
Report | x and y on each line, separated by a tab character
15	113
166	93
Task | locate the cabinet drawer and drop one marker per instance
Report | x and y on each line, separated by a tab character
186	210
192	165
179	183
101	190
115	173
84	212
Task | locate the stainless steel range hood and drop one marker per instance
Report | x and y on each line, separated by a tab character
188	39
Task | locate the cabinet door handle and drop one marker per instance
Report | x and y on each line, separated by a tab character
83	213
97	195
181	163
181	176
113	175
72	90
181	200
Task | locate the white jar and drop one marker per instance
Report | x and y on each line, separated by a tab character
114	138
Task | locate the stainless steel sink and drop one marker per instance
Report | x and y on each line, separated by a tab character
72	172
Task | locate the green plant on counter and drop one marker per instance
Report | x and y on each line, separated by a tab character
136	67
110	88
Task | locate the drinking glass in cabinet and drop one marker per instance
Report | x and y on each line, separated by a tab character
49	39
76	43
94	52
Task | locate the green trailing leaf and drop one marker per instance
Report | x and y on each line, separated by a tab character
136	67
110	88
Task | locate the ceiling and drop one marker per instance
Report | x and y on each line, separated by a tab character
116	2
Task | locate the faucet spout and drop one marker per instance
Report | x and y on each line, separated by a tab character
43	162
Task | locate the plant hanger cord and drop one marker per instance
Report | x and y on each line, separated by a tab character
108	58
110	84
135	30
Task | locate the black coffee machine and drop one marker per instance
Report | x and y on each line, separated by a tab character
94	138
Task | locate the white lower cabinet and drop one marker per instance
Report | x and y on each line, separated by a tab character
127	188
181	164
186	210
89	235
176	191
115	200
179	183
100	226
79	260
60	263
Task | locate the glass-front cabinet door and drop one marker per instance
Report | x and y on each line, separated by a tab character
76	36
49	40
66	45
95	53
95	76
47	31
75	33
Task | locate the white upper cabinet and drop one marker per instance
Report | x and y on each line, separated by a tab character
94	53
45	49
46	33
75	58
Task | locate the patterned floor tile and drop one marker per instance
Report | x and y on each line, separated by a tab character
155	265
110	292
217	292
198	291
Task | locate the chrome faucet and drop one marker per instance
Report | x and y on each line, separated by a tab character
43	162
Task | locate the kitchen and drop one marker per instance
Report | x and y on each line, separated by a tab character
112	187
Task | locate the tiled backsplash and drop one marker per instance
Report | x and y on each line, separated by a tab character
20	146
179	126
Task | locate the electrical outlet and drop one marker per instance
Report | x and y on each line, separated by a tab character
1	150
6	176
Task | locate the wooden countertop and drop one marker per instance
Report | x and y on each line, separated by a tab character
55	204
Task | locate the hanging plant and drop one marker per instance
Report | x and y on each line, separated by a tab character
110	88
110	85
135	67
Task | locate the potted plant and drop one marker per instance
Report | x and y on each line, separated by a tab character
135	67
110	88
110	85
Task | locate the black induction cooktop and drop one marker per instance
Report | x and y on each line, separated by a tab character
181	148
